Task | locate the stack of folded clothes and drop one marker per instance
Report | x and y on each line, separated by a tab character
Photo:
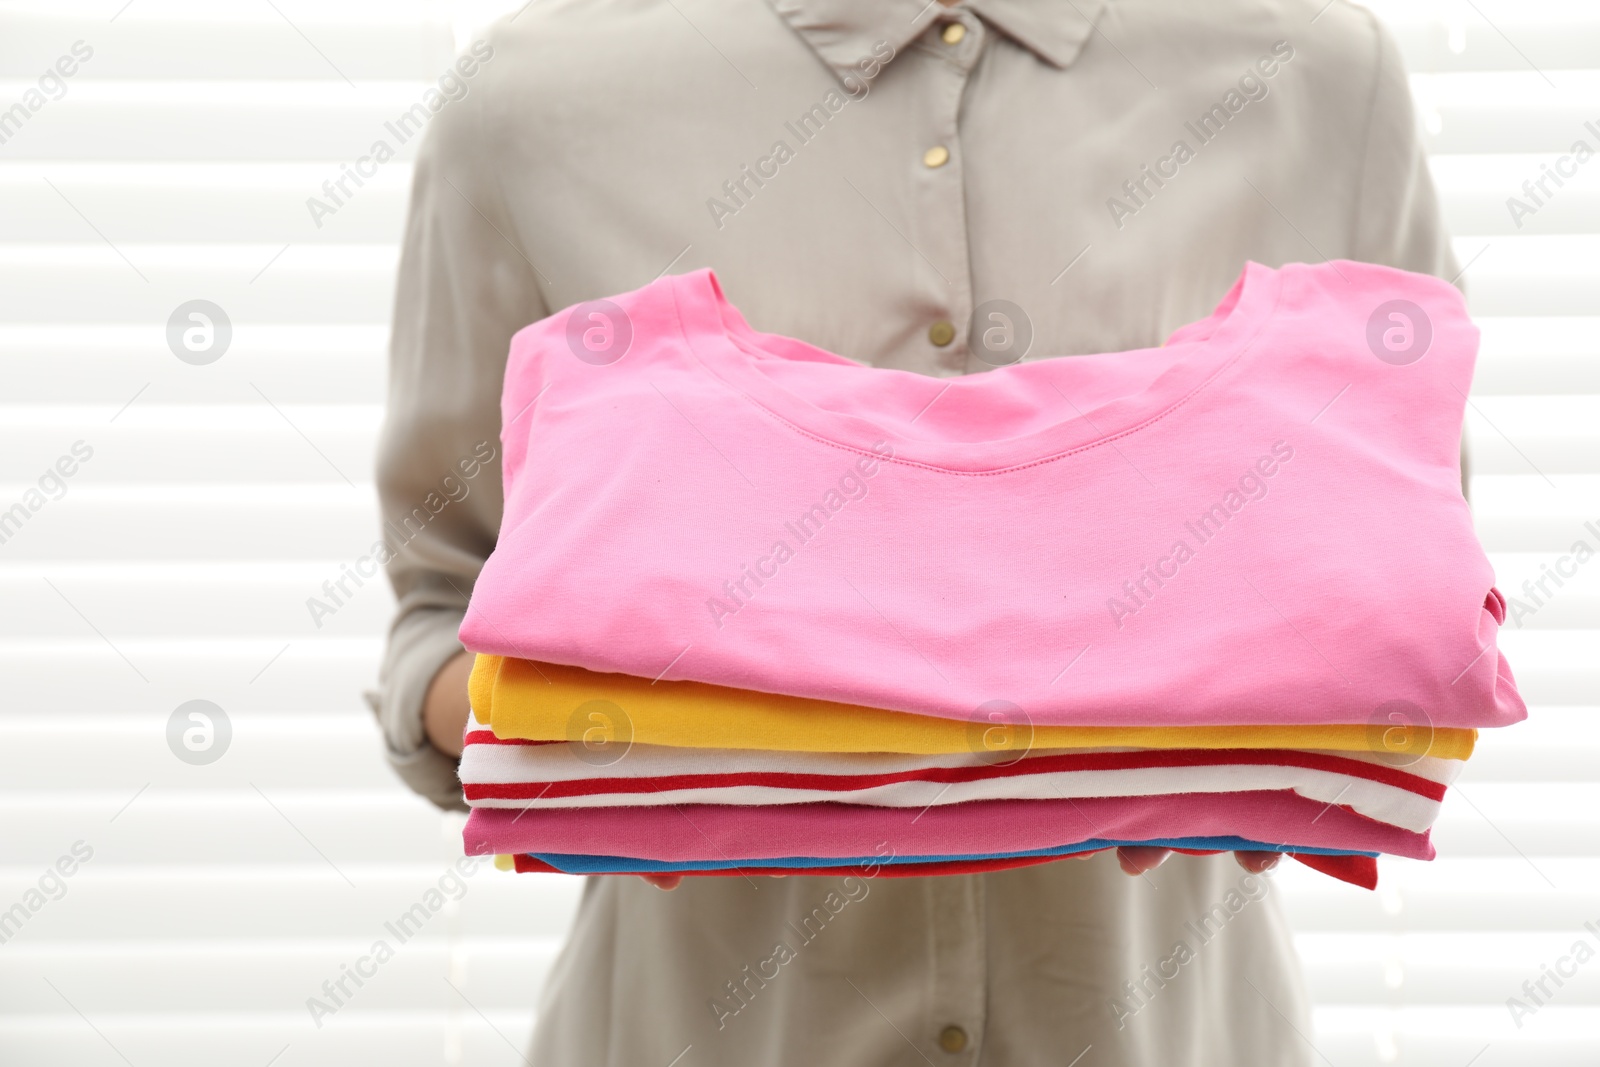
756	608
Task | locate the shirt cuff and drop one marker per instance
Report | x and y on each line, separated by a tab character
421	643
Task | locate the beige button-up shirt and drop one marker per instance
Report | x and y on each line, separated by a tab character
873	176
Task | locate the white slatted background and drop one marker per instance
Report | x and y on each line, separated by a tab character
219	898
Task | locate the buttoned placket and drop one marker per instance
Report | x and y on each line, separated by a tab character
958	979
944	55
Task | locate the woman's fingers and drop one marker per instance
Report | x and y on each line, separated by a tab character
663	881
670	881
1136	859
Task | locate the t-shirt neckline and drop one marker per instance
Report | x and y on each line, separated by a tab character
724	342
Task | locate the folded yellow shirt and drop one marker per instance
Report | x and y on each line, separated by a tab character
519	698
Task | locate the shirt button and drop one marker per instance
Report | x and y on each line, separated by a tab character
952	1039
937	156
953	33
941	333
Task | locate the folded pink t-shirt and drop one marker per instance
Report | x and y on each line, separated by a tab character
718	831
1259	522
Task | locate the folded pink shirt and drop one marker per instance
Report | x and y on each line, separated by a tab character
717	831
1260	522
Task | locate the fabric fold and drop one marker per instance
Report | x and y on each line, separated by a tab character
540	701
561	775
713	832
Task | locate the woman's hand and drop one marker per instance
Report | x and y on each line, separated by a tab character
1136	859
663	881
670	881
446	707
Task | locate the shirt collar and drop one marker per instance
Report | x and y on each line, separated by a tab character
843	32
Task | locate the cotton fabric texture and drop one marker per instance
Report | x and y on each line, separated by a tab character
539	701
579	165
1356	869
570	863
721	831
495	773
1237	582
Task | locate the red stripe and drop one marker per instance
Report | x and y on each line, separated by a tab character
487	737
1090	761
1357	870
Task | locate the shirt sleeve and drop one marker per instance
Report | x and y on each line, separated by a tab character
1398	222
465	286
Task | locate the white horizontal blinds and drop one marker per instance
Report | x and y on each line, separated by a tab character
175	564
1420	972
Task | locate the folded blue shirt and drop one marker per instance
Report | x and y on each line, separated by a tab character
578	863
